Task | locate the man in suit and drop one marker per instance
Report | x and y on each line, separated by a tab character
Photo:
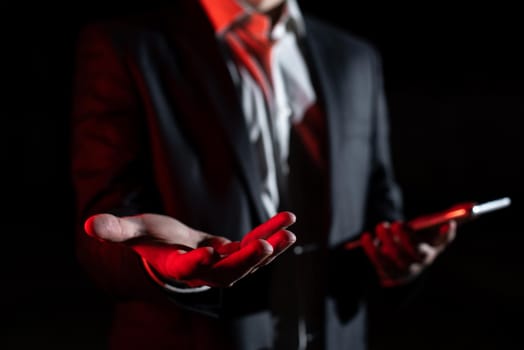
200	134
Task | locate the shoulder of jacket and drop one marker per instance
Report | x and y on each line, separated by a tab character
339	35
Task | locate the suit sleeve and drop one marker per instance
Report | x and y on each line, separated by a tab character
383	202
107	160
112	170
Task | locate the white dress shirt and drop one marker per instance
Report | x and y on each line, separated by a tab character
269	123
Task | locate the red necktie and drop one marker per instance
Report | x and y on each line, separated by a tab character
251	46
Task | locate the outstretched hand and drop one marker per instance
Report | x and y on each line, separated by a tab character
196	258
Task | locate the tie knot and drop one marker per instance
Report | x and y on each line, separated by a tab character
250	42
258	26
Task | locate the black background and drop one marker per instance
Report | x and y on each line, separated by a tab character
455	87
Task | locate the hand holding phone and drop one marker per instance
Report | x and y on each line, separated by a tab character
459	213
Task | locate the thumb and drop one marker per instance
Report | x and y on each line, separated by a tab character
107	227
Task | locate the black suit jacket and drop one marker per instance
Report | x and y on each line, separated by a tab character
158	127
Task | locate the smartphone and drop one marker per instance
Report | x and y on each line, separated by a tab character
459	212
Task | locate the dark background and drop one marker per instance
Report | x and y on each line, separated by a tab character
455	86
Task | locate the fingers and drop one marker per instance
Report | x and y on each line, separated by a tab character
388	246
239	264
276	223
274	232
403	239
396	245
398	254
447	233
280	242
370	248
392	252
211	269
250	257
229	248
429	253
388	272
204	266
247	257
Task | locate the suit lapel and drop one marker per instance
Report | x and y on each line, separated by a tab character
322	79
219	89
230	116
323	75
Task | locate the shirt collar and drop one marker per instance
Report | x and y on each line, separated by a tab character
224	13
